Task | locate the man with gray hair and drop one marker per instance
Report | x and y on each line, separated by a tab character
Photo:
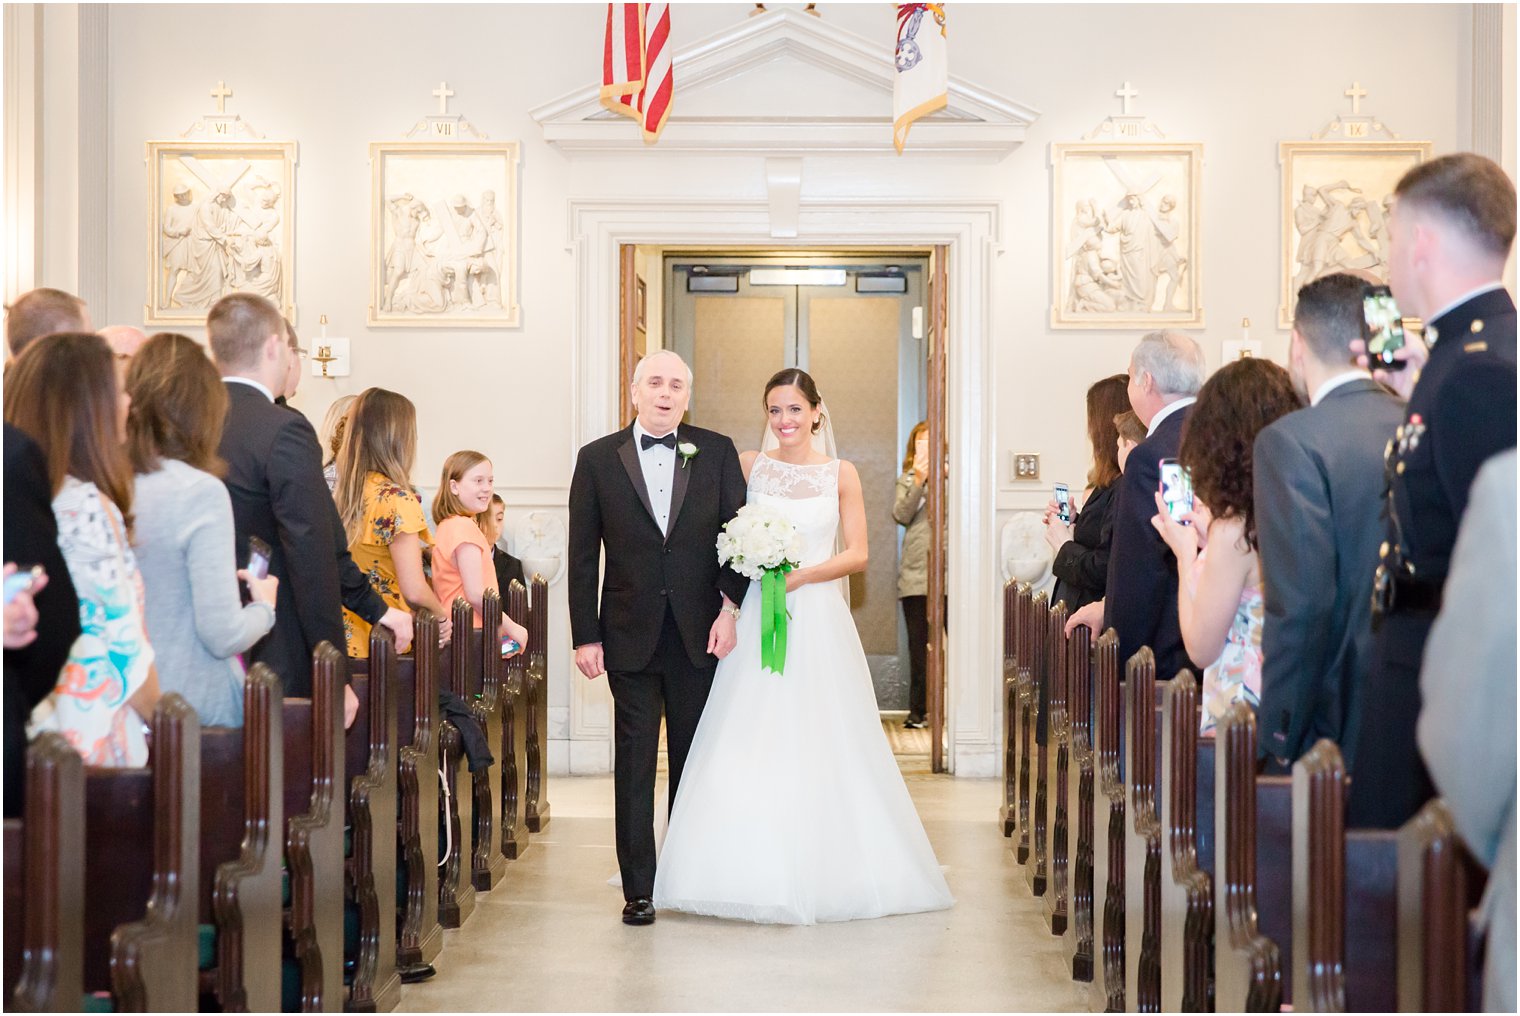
1165	372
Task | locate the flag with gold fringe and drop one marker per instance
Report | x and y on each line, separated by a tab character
636	64
922	83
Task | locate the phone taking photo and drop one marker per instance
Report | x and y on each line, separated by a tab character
1384	328
509	646
1063	503
259	554
1176	490
19	582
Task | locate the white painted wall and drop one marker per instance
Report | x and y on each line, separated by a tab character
1239	78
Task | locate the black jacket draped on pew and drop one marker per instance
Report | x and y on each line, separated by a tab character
1319	486
1142	571
31	538
1081	565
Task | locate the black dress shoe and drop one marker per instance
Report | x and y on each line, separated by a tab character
912	723
421	972
639	911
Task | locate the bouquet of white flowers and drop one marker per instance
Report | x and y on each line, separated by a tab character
760	543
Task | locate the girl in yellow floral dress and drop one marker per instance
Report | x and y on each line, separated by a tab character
381	511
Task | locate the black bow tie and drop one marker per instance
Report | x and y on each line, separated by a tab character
646	442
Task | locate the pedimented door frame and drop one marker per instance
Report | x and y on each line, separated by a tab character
969	231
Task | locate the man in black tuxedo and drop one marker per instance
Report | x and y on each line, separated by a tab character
1140	599
31	538
1450	234
1318	485
653	497
274	477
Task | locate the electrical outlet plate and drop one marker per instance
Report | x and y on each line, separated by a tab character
1026	465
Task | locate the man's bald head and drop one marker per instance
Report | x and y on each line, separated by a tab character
43	312
124	340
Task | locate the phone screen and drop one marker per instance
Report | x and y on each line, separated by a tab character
258	558
509	646
20	582
1063	503
1176	489
1385	326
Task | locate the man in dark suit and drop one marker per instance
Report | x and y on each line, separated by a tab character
274	477
1318	485
31	538
1140	601
1450	234
653	497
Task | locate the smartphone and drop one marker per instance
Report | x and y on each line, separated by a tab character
1176	489
1384	329
21	582
1063	503
259	553
509	646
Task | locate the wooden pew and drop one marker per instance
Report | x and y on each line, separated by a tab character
1080	798
513	750
537	803
1142	841
1058	748
44	884
1107	992
314	811
1023	723
456	879
1008	811
479	650
142	867
1345	886
1440	885
371	755
419	938
1187	823
1035	761
1253	924
242	826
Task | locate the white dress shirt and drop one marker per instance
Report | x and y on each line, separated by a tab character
251	383
658	464
1340	380
1166	411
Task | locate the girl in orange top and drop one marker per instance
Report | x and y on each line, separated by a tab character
461	554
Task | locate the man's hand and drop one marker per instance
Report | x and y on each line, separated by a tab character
1090	615
350	706
588	660
400	623
1414	355
723	636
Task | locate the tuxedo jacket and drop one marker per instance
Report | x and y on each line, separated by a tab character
508	570
647	572
1318	493
1141	593
274	478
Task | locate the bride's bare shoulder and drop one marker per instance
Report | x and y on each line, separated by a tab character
848	475
747	462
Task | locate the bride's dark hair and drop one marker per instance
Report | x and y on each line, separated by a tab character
802	381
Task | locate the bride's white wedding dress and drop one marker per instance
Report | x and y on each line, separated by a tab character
791	808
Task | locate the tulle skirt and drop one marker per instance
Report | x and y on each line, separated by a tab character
791	808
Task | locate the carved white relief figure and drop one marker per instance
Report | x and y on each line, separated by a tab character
1320	249
1376	242
174	244
256	257
1095	287
210	266
496	248
466	239
426	288
1168	262
406	213
1133	224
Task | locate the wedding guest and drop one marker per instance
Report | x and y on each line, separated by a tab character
1318	484
1130	433
196	620
333	426
1219	605
124	340
42	312
30	539
382	511
1081	546
462	554
508	568
65	394
910	508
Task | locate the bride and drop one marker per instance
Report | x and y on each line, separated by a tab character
792	809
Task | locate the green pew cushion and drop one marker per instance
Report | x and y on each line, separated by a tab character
206	946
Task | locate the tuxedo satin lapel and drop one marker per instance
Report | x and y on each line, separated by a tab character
678	489
629	453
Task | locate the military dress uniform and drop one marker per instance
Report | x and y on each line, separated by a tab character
1461	412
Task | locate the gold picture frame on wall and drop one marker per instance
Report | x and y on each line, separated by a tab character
1125	235
444	231
221	221
1335	203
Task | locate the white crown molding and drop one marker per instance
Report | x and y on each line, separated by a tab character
975	121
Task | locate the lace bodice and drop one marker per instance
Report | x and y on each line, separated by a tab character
808	495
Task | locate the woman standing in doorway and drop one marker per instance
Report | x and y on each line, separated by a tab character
911	509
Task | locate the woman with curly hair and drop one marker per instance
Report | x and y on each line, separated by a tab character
1219	602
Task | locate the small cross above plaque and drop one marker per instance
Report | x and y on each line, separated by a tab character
1127	93
443	92
1356	93
220	94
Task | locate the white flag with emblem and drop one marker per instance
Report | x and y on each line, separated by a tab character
923	71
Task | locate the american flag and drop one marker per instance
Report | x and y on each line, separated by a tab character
636	70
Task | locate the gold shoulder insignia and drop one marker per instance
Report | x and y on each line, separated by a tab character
1475	347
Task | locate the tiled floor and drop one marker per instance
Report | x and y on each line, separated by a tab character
548	937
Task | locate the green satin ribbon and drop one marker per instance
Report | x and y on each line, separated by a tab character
773	617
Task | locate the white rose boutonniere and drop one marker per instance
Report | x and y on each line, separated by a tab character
687	451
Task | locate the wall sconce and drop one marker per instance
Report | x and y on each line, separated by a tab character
330	355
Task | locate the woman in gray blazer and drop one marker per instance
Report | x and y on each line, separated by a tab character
194	613
911	509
